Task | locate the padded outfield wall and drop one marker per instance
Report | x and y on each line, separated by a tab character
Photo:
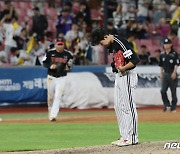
87	86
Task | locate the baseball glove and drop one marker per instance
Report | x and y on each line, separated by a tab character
119	59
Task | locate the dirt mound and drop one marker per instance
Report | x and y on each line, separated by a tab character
142	148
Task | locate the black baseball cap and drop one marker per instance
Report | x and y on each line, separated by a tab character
167	41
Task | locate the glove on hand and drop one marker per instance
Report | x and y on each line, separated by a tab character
119	59
114	69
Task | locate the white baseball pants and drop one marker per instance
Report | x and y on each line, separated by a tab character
55	88
125	106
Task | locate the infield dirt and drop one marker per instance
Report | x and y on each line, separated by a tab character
151	115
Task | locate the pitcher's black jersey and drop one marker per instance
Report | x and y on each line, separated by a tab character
60	59
124	46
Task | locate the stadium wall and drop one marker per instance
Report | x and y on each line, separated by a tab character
87	86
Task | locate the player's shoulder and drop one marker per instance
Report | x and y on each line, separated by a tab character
119	37
120	40
68	52
51	51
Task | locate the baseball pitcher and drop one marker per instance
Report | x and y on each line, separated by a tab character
124	62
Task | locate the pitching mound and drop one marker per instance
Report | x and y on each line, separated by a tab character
142	148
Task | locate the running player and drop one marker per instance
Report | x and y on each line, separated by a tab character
58	62
124	62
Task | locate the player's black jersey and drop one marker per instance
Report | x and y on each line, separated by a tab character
168	61
125	47
60	59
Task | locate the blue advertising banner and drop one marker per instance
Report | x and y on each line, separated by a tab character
27	85
23	84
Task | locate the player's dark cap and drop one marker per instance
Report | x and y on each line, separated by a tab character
167	41
36	8
60	41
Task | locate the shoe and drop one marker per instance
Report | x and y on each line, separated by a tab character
120	142
117	142
52	119
173	111
126	143
166	109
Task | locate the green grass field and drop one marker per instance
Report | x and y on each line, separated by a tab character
37	136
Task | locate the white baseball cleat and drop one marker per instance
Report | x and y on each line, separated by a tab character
120	142
126	143
117	142
52	119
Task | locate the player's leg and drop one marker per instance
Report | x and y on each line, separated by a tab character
50	92
164	88
117	111
59	89
173	87
125	107
132	84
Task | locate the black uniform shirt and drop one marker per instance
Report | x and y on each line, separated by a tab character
124	45
168	61
60	59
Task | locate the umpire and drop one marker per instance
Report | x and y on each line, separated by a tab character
168	74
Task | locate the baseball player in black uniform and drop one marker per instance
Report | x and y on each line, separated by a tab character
168	74
58	61
124	62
